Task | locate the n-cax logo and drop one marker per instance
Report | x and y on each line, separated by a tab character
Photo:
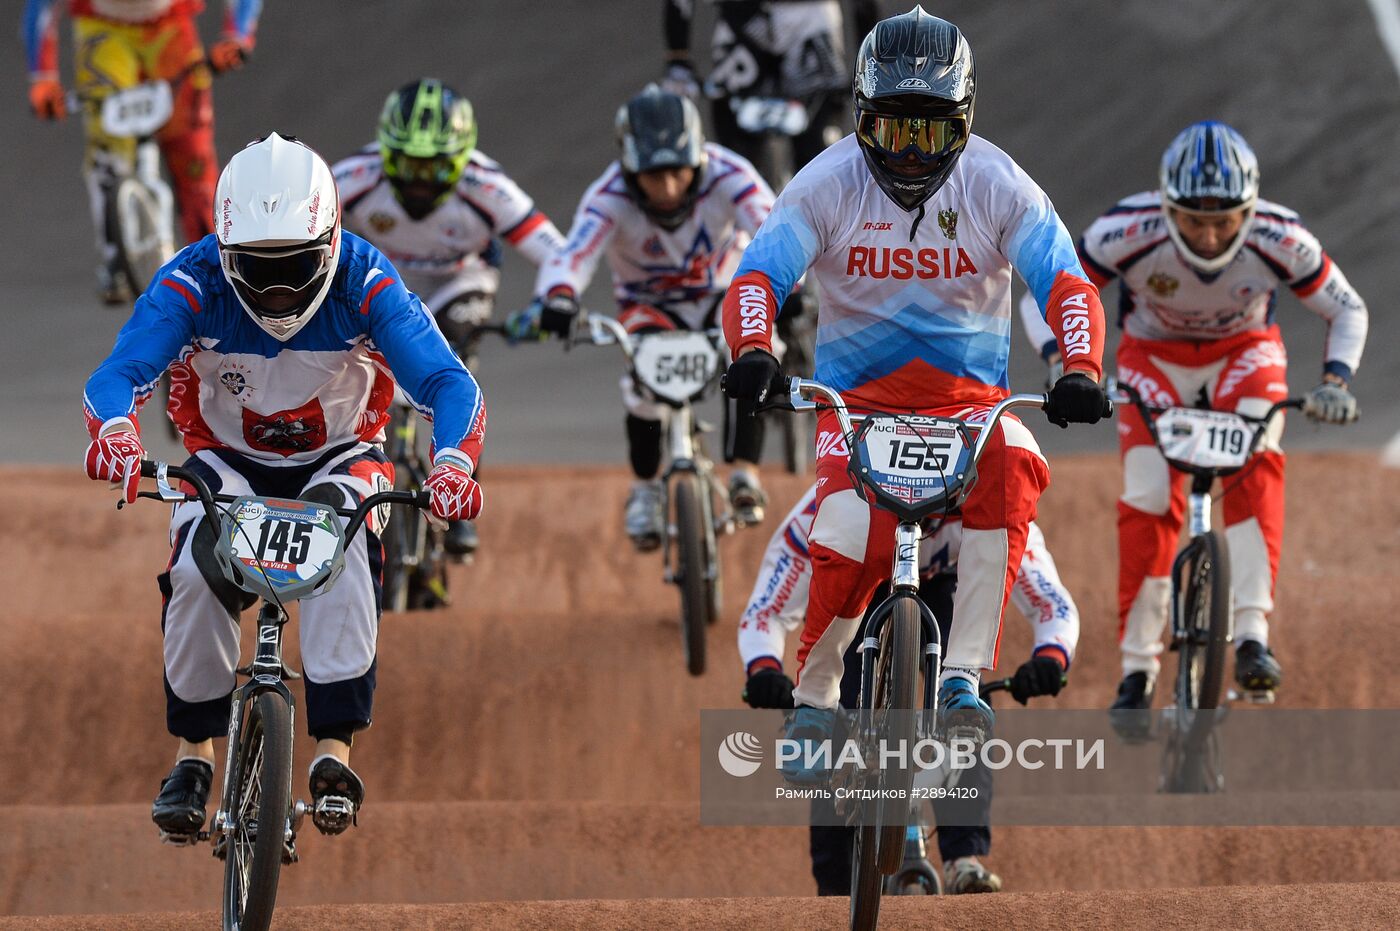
877	225
740	754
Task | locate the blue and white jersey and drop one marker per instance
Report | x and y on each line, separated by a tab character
233	386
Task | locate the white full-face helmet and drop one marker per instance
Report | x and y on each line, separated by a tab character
277	218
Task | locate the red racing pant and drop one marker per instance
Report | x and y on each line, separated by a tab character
852	550
1245	374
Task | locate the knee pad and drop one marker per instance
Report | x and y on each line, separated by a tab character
1147	481
233	599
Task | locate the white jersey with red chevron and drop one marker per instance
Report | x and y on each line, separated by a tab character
452	250
779	600
916	306
683	271
1166	299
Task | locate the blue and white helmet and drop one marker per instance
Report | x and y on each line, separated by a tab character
1209	168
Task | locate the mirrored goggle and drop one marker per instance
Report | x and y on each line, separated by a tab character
407	169
293	269
896	135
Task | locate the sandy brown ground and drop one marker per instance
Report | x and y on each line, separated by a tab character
1354	905
539	739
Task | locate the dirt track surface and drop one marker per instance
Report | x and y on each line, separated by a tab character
539	739
1349	905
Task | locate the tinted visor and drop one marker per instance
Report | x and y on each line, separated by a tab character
291	269
927	137
440	171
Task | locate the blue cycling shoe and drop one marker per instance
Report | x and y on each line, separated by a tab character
962	713
811	726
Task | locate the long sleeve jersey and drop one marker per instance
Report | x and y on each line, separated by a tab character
39	25
233	386
681	271
1163	298
916	307
459	234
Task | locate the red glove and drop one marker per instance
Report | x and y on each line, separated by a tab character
228	55
455	494
116	457
46	99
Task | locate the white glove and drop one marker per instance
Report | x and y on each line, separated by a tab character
1330	402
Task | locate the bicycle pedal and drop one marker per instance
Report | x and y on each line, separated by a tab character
333	814
183	840
1258	696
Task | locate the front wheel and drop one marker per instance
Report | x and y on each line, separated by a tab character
136	214
691	575
261	803
896	675
1202	625
865	879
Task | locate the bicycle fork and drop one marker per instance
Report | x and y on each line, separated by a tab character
904	583
1198	515
268	673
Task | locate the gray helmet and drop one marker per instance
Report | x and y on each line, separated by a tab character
1209	168
915	85
657	129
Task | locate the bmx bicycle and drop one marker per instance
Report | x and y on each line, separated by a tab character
278	550
1207	445
415	556
677	368
914	467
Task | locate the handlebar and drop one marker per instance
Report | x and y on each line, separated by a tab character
801	389
1127	394
162	472
602	330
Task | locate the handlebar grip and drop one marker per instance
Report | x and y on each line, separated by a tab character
148	468
1107	406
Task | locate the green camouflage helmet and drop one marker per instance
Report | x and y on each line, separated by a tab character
427	132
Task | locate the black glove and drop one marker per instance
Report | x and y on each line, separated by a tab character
1039	675
1076	398
752	376
768	688
557	314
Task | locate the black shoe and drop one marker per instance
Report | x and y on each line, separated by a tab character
336	795
1131	712
179	808
461	538
1256	670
